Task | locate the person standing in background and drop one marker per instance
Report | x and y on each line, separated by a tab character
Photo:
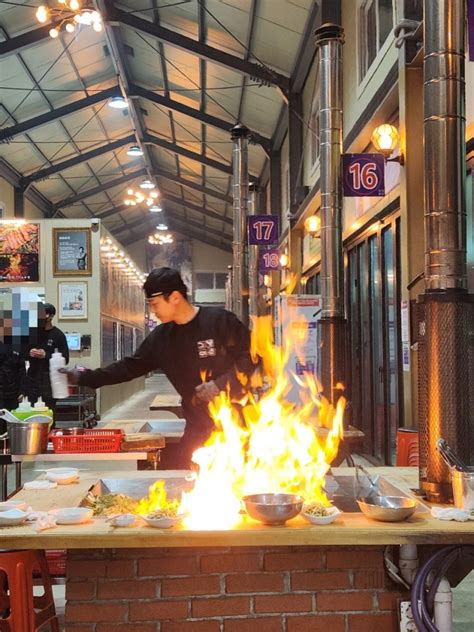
50	338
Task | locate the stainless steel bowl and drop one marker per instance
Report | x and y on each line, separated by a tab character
273	509
387	508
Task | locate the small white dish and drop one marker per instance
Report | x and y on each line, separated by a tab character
12	517
333	514
72	515
39	485
163	523
12	504
122	520
62	475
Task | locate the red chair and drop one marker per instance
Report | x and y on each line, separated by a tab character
407	447
20	611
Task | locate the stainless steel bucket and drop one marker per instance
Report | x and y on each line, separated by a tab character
28	437
463	489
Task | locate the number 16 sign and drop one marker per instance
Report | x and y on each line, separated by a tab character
363	175
262	230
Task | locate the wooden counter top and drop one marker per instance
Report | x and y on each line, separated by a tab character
350	529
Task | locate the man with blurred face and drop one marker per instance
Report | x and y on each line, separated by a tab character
199	349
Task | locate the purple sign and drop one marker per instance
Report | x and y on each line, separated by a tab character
269	260
363	175
262	230
470	28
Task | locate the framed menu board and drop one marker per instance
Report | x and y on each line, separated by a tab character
72	252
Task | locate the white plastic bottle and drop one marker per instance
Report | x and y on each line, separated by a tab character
59	385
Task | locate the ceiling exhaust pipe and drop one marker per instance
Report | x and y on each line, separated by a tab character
254	298
329	39
445	310
240	194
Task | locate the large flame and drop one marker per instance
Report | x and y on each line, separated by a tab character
265	444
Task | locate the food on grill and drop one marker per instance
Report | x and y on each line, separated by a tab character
111	504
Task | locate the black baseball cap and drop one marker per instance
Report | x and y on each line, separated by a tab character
163	281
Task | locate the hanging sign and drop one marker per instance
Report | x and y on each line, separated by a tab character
470	28
262	230
363	175
269	260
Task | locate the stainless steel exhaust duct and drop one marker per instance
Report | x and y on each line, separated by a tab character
445	310
240	193
329	40
253	257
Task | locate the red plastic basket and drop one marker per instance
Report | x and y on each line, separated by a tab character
90	441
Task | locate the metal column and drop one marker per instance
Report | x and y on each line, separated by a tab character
446	311
329	40
240	193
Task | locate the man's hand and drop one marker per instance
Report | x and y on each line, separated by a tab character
72	375
40	354
206	392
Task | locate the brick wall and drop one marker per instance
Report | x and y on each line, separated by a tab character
286	589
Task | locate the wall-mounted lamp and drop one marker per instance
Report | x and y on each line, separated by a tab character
267	280
284	260
312	225
385	138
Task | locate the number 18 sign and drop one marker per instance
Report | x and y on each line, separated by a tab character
262	230
363	175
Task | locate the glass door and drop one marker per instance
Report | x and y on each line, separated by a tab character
374	329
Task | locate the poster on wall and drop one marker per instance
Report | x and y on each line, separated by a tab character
19	252
178	255
72	252
72	300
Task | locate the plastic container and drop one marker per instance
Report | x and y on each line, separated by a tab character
28	437
89	441
59	383
463	489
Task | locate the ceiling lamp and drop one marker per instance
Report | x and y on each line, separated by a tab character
134	198
134	150
160	240
118	103
155	208
162	227
147	184
69	14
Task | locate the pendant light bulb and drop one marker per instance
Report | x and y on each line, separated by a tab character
42	14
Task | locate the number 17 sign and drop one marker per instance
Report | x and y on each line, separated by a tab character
363	175
262	230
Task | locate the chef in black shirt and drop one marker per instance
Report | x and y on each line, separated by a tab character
190	343
50	338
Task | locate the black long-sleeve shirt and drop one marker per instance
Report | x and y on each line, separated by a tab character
214	345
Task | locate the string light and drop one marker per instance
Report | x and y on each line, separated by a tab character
118	259
69	14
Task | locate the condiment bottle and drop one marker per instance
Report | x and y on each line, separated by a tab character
59	384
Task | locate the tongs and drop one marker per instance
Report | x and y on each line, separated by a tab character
450	457
373	481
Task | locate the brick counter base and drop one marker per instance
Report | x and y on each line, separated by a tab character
285	589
